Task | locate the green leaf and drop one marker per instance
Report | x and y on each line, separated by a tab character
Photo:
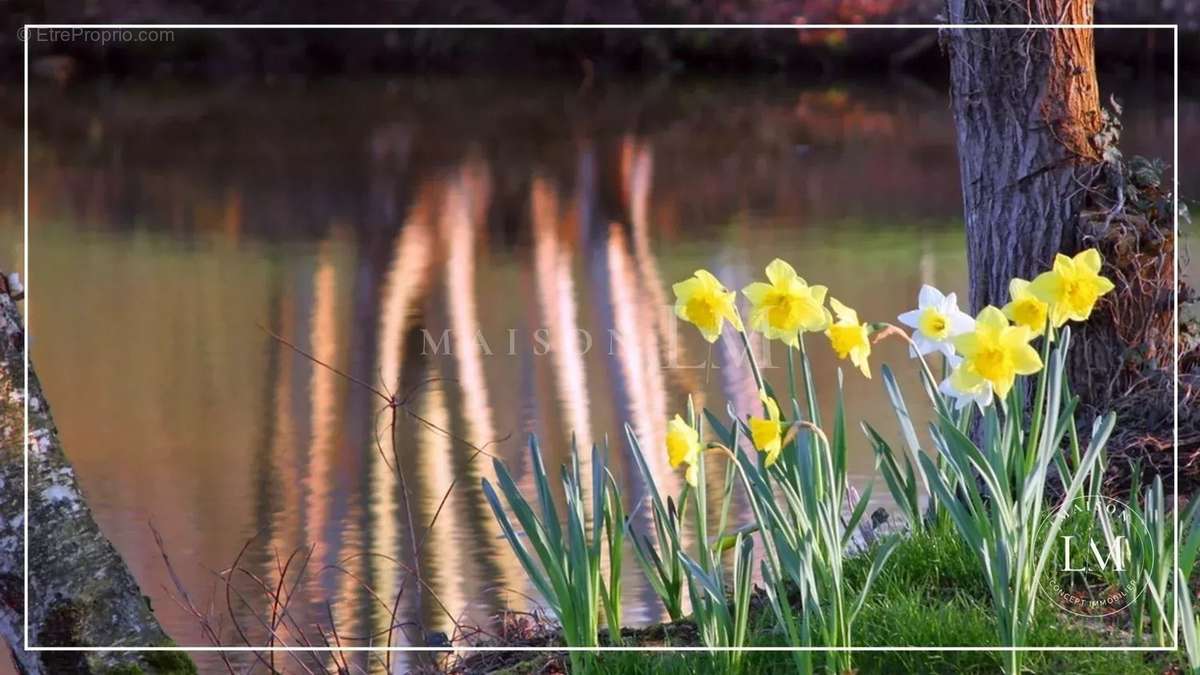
885	551
857	514
901	410
535	574
549	513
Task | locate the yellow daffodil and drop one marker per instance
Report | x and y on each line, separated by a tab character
849	337
995	352
1072	287
787	305
702	300
767	433
1026	309
683	447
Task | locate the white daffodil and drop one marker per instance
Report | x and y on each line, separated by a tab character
936	320
964	391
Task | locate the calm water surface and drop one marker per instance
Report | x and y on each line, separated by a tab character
500	253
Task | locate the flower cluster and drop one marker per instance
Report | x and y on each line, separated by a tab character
989	354
984	354
782	308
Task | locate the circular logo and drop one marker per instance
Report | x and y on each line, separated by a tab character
1089	571
23	33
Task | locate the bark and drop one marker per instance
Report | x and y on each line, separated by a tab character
1041	174
80	591
1026	106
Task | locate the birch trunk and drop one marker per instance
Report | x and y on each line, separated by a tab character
80	591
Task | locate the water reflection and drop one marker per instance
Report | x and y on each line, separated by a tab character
504	267
405	282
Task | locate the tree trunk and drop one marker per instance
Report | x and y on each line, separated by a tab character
1026	105
80	591
1041	174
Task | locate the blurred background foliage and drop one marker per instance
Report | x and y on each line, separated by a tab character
276	53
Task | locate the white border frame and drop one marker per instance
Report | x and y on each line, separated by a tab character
1175	167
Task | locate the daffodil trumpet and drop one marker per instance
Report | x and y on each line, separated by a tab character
683	447
703	301
767	432
850	337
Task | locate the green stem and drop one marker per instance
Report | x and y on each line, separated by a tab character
814	412
702	514
792	374
1039	401
758	380
708	365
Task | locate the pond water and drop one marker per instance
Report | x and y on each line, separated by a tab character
498	252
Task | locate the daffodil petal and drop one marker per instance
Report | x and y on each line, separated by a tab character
844	313
992	318
709	280
1063	264
961	323
910	318
818	293
1026	360
1090	260
967	343
929	297
779	272
1004	384
756	292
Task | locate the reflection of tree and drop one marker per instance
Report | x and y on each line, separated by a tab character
637	163
635	350
556	294
442	557
465	202
323	408
405	282
282	524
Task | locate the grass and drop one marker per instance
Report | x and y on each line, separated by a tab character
930	594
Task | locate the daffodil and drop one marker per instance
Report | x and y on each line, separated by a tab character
1025	308
767	433
937	319
964	391
849	337
683	447
1072	287
705	302
787	305
995	352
